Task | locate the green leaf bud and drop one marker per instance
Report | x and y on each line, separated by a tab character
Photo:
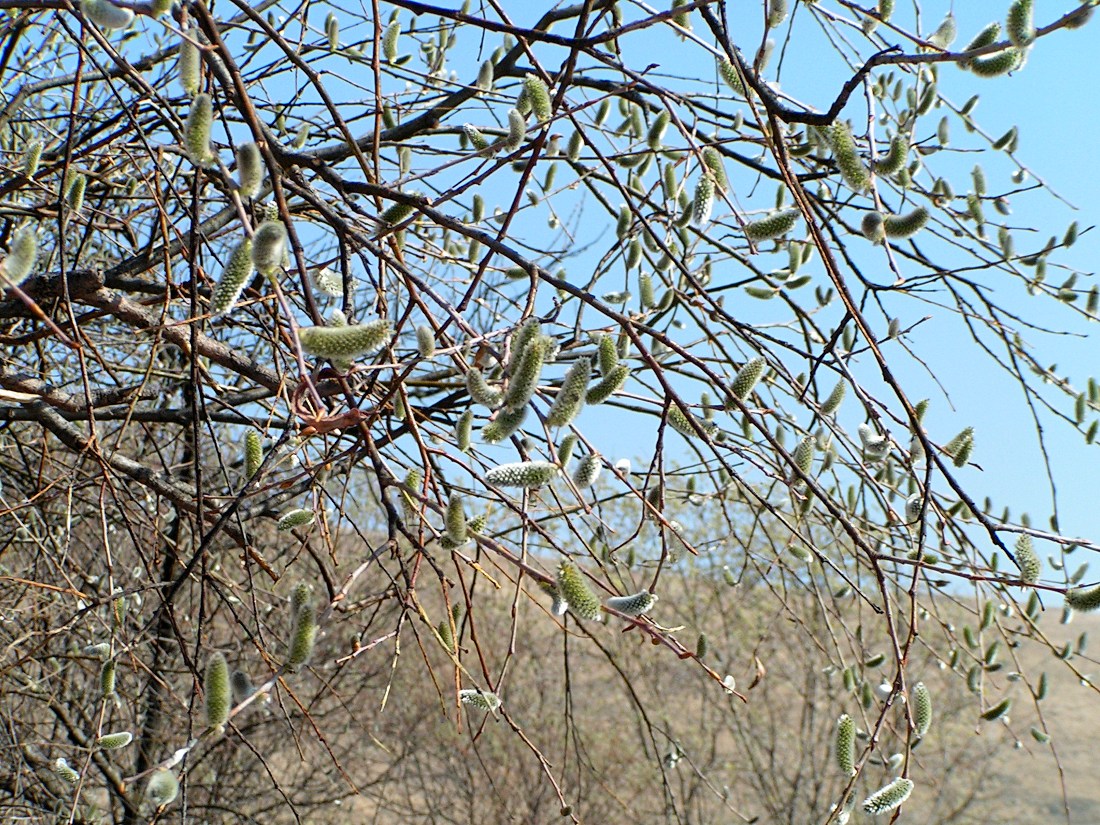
295	518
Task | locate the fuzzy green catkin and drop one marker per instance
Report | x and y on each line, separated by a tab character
114	741
21	255
75	194
574	589
235	277
396	213
945	33
607	354
777	12
990	34
476	137
1083	600
847	157
565	449
425	341
703	202
240	686
504	425
889	797
587	470
196	130
570	398
250	170
1020	23
885	10
253	453
804	454
107	678
775	225
522	474
162	789
269	247
1027	560
959	444
62	769
389	41
875	446
746	378
894	159
610	385
525	378
190	63
485	76
836	397
304	631
295	518
216	691
872	227
905	226
31	157
656	134
538	96
998	64
712	159
517	130
844	747
106	15
998	710
683	424
922	708
636	605
480	699
730	75
345	343
463	430
455	518
480	391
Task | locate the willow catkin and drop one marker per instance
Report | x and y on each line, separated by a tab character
486	76
253	453
196	130
889	797
189	63
62	769
269	247
635	605
480	391
504	424
22	253
162	789
905	226
570	398
1027	560
525	378
538	96
587	470
610	385
1020	23
455	518
235	277
517	130
463	430
389	41
480	699
848	161
575	591
31	157
747	377
1083	600
894	159
345	343
872	227
775	225
522	474
304	628
922	709
998	64
844	747
250	170
114	741
216	693
106	15
703	202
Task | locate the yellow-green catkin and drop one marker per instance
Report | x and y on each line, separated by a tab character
845	746
31	157
575	591
216	696
347	342
74	195
525	377
905	226
425	341
389	41
522	474
538	96
635	605
775	225
922	709
1027	559
162	789
250	170
504	424
269	247
747	377
235	277
480	391
609	385
114	741
455	519
106	14
1083	600
304	628
587	470
889	797
571	395
253	453
835	399
196	131
190	63
22	253
848	161
107	678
